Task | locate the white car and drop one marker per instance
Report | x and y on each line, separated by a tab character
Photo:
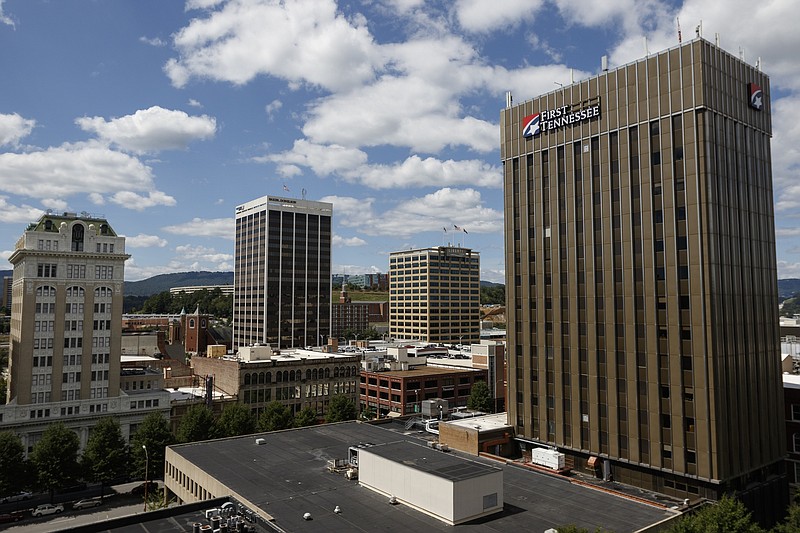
47	508
87	503
17	497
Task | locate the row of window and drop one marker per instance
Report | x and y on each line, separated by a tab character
74	292
50	270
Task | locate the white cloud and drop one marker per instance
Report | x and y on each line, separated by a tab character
139	202
13	213
301	42
338	240
429	213
145	241
5	19
352	165
199	227
787	269
97	199
152	41
79	168
55	204
151	130
202	253
194	103
13	127
483	16
273	107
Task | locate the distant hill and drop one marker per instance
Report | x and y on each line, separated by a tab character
788	287
164	282
491	284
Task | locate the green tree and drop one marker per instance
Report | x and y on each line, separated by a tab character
480	399
341	408
13	468
153	433
791	523
197	424
275	416
236	419
306	417
105	457
728	515
55	458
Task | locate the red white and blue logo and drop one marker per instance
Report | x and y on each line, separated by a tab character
756	96
531	125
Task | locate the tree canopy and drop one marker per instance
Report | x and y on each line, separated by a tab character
105	457
55	457
341	408
480	399
728	515
154	433
197	424
275	416
211	301
306	417
236	419
12	464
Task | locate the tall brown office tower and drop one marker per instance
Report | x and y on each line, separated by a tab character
641	276
282	273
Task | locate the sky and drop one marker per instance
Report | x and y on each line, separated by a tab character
164	116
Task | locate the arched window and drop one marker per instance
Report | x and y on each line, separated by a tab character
291	376
261	377
308	374
247	379
191	323
46	291
77	238
285	375
336	372
355	372
347	371
796	439
278	377
269	377
314	374
327	372
75	292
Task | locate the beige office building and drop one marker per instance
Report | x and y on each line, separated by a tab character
434	295
641	276
66	322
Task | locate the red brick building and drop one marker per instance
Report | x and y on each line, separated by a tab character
401	391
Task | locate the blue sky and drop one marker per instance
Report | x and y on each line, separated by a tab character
163	116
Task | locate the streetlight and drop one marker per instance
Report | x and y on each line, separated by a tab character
146	468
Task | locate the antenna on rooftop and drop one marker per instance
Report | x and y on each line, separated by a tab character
646	51
604	63
680	40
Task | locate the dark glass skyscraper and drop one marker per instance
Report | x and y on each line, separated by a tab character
282	273
641	276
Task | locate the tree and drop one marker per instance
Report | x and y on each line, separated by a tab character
105	457
306	417
154	433
275	416
12	464
197	424
236	419
341	408
791	523
728	515
480	399
55	457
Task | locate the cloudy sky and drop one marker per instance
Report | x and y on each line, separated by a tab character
163	116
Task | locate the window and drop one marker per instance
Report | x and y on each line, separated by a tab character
796	442
795	411
46	270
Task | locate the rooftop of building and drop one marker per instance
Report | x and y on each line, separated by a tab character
56	218
791	381
423	371
485	422
287	476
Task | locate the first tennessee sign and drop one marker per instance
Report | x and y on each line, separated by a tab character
553	119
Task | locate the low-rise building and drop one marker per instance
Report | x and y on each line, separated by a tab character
258	375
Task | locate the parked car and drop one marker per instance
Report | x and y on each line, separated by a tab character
17	497
47	508
13	516
87	503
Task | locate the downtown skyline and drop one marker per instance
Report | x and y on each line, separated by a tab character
163	117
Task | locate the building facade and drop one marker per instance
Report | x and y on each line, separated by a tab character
401	392
282	273
66	322
641	276
296	378
434	295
